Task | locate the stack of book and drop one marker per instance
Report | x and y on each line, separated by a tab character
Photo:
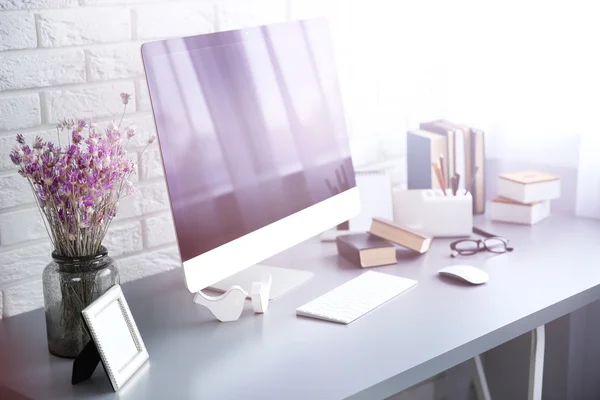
378	246
462	151
524	197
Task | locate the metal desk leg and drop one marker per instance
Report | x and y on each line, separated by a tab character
536	363
481	386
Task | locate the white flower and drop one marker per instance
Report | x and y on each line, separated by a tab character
71	237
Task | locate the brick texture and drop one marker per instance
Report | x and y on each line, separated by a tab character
233	14
135	267
151	164
14	191
20	226
99	100
23	297
19	111
154	197
114	62
24	262
32	4
143	96
179	19
41	68
59	28
124	238
160	230
17	31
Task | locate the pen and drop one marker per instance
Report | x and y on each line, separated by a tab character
472	180
438	173
456	184
444	172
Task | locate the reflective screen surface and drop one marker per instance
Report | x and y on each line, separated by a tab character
251	128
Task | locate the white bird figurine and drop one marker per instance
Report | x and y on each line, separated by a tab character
260	294
226	307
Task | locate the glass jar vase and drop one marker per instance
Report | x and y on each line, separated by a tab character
71	284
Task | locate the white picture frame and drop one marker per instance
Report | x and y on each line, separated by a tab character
117	338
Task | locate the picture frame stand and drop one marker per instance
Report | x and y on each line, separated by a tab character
115	341
85	363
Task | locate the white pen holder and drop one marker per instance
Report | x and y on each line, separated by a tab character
447	216
430	212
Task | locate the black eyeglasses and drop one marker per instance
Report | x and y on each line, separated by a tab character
491	243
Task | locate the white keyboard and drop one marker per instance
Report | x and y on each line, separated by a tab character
356	297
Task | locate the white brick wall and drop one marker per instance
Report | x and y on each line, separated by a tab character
65	58
17	31
19	110
58	28
31	69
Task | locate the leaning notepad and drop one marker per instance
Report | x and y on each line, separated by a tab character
356	297
375	190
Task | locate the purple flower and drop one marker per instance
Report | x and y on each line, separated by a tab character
38	143
15	157
78	185
131	131
76	137
152	139
125	98
65	124
88	201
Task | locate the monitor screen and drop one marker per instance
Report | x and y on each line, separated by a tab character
251	128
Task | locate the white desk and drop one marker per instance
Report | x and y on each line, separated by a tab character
554	270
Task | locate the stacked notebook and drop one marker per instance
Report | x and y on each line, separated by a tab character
378	246
463	151
524	197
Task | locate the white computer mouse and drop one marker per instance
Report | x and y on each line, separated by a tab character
467	273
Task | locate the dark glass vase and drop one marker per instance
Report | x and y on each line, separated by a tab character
70	285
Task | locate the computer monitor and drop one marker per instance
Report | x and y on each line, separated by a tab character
253	141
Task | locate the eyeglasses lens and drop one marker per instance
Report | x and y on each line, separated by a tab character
495	245
467	247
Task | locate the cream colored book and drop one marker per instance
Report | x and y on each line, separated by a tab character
400	235
422	149
529	186
507	210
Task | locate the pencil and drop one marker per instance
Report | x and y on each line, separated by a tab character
438	173
444	172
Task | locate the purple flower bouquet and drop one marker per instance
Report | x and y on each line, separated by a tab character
77	186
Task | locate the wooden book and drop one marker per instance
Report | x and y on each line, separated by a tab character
507	210
423	148
529	186
366	250
400	235
473	152
449	154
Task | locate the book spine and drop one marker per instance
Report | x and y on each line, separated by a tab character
418	162
478	151
348	251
